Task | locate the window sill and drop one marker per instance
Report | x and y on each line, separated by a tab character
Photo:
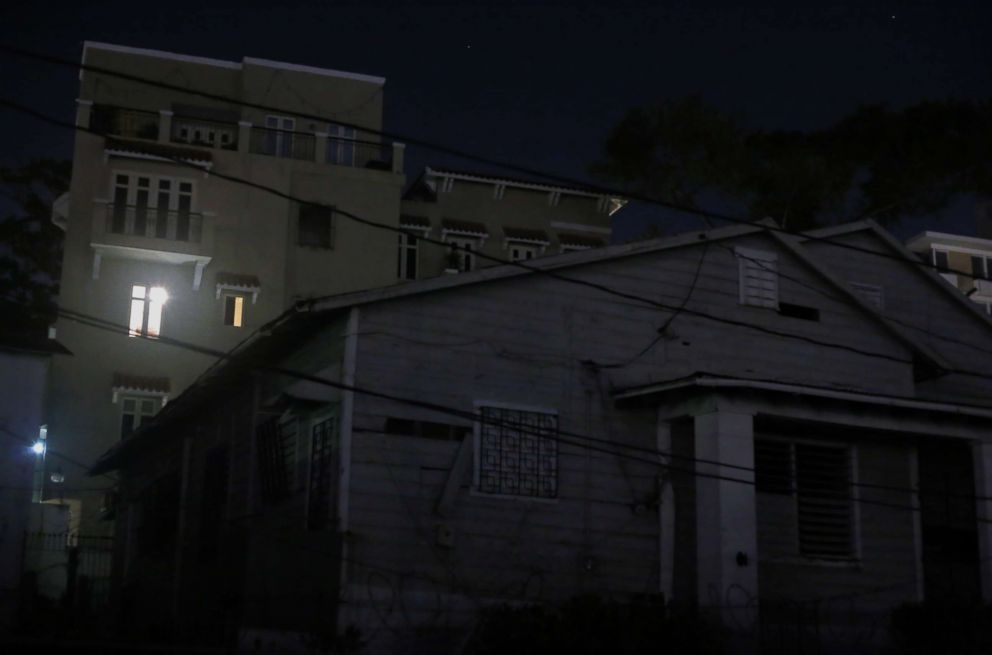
852	564
510	497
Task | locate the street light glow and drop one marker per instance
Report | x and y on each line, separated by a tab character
38	447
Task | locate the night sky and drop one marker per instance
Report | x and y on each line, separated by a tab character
541	83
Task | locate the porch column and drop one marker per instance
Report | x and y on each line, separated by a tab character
726	530
982	457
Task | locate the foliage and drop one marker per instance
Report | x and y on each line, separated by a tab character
30	245
590	624
877	162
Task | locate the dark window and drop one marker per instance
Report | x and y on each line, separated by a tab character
323	477
406	265
427	429
159	522
940	259
214	502
276	444
315	226
818	477
979	267
518	453
773	466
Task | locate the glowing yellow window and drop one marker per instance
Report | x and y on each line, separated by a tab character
234	310
146	310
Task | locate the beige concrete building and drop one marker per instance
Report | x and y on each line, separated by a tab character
161	243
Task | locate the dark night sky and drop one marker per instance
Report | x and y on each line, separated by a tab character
540	83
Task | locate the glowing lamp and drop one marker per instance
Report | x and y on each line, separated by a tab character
158	294
38	447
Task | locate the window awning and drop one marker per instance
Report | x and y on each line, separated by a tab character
240	282
408	222
463	228
572	240
153	386
522	235
156	151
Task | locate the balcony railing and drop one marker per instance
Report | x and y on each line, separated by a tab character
201	132
282	143
358	153
124	122
155	223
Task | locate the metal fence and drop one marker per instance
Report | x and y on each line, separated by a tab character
69	569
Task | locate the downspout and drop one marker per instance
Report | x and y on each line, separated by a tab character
666	513
181	530
349	366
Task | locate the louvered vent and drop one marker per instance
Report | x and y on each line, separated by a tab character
823	492
758	278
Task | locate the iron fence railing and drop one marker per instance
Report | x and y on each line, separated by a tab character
125	122
358	153
282	143
154	222
201	132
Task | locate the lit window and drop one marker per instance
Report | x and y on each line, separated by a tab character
406	265
758	277
815	480
146	310
234	310
518	453
135	410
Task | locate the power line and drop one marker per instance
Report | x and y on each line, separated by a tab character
583	185
570	438
519	264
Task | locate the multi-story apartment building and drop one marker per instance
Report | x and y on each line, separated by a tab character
161	242
968	260
497	218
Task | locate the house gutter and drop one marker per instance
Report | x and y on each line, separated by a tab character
849	396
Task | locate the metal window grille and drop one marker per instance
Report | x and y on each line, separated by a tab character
274	474
323	477
823	494
818	476
518	453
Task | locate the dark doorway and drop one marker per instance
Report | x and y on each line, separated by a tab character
948	520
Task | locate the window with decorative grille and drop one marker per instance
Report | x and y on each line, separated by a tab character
276	448
323	475
818	479
518	453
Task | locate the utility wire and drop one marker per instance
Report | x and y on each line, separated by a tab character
581	441
578	184
519	264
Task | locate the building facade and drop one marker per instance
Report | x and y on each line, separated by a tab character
163	242
760	430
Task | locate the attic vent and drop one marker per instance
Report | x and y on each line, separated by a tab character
799	311
872	294
758	277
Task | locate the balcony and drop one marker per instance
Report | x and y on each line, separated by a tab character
282	143
153	235
110	120
204	133
981	290
162	134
